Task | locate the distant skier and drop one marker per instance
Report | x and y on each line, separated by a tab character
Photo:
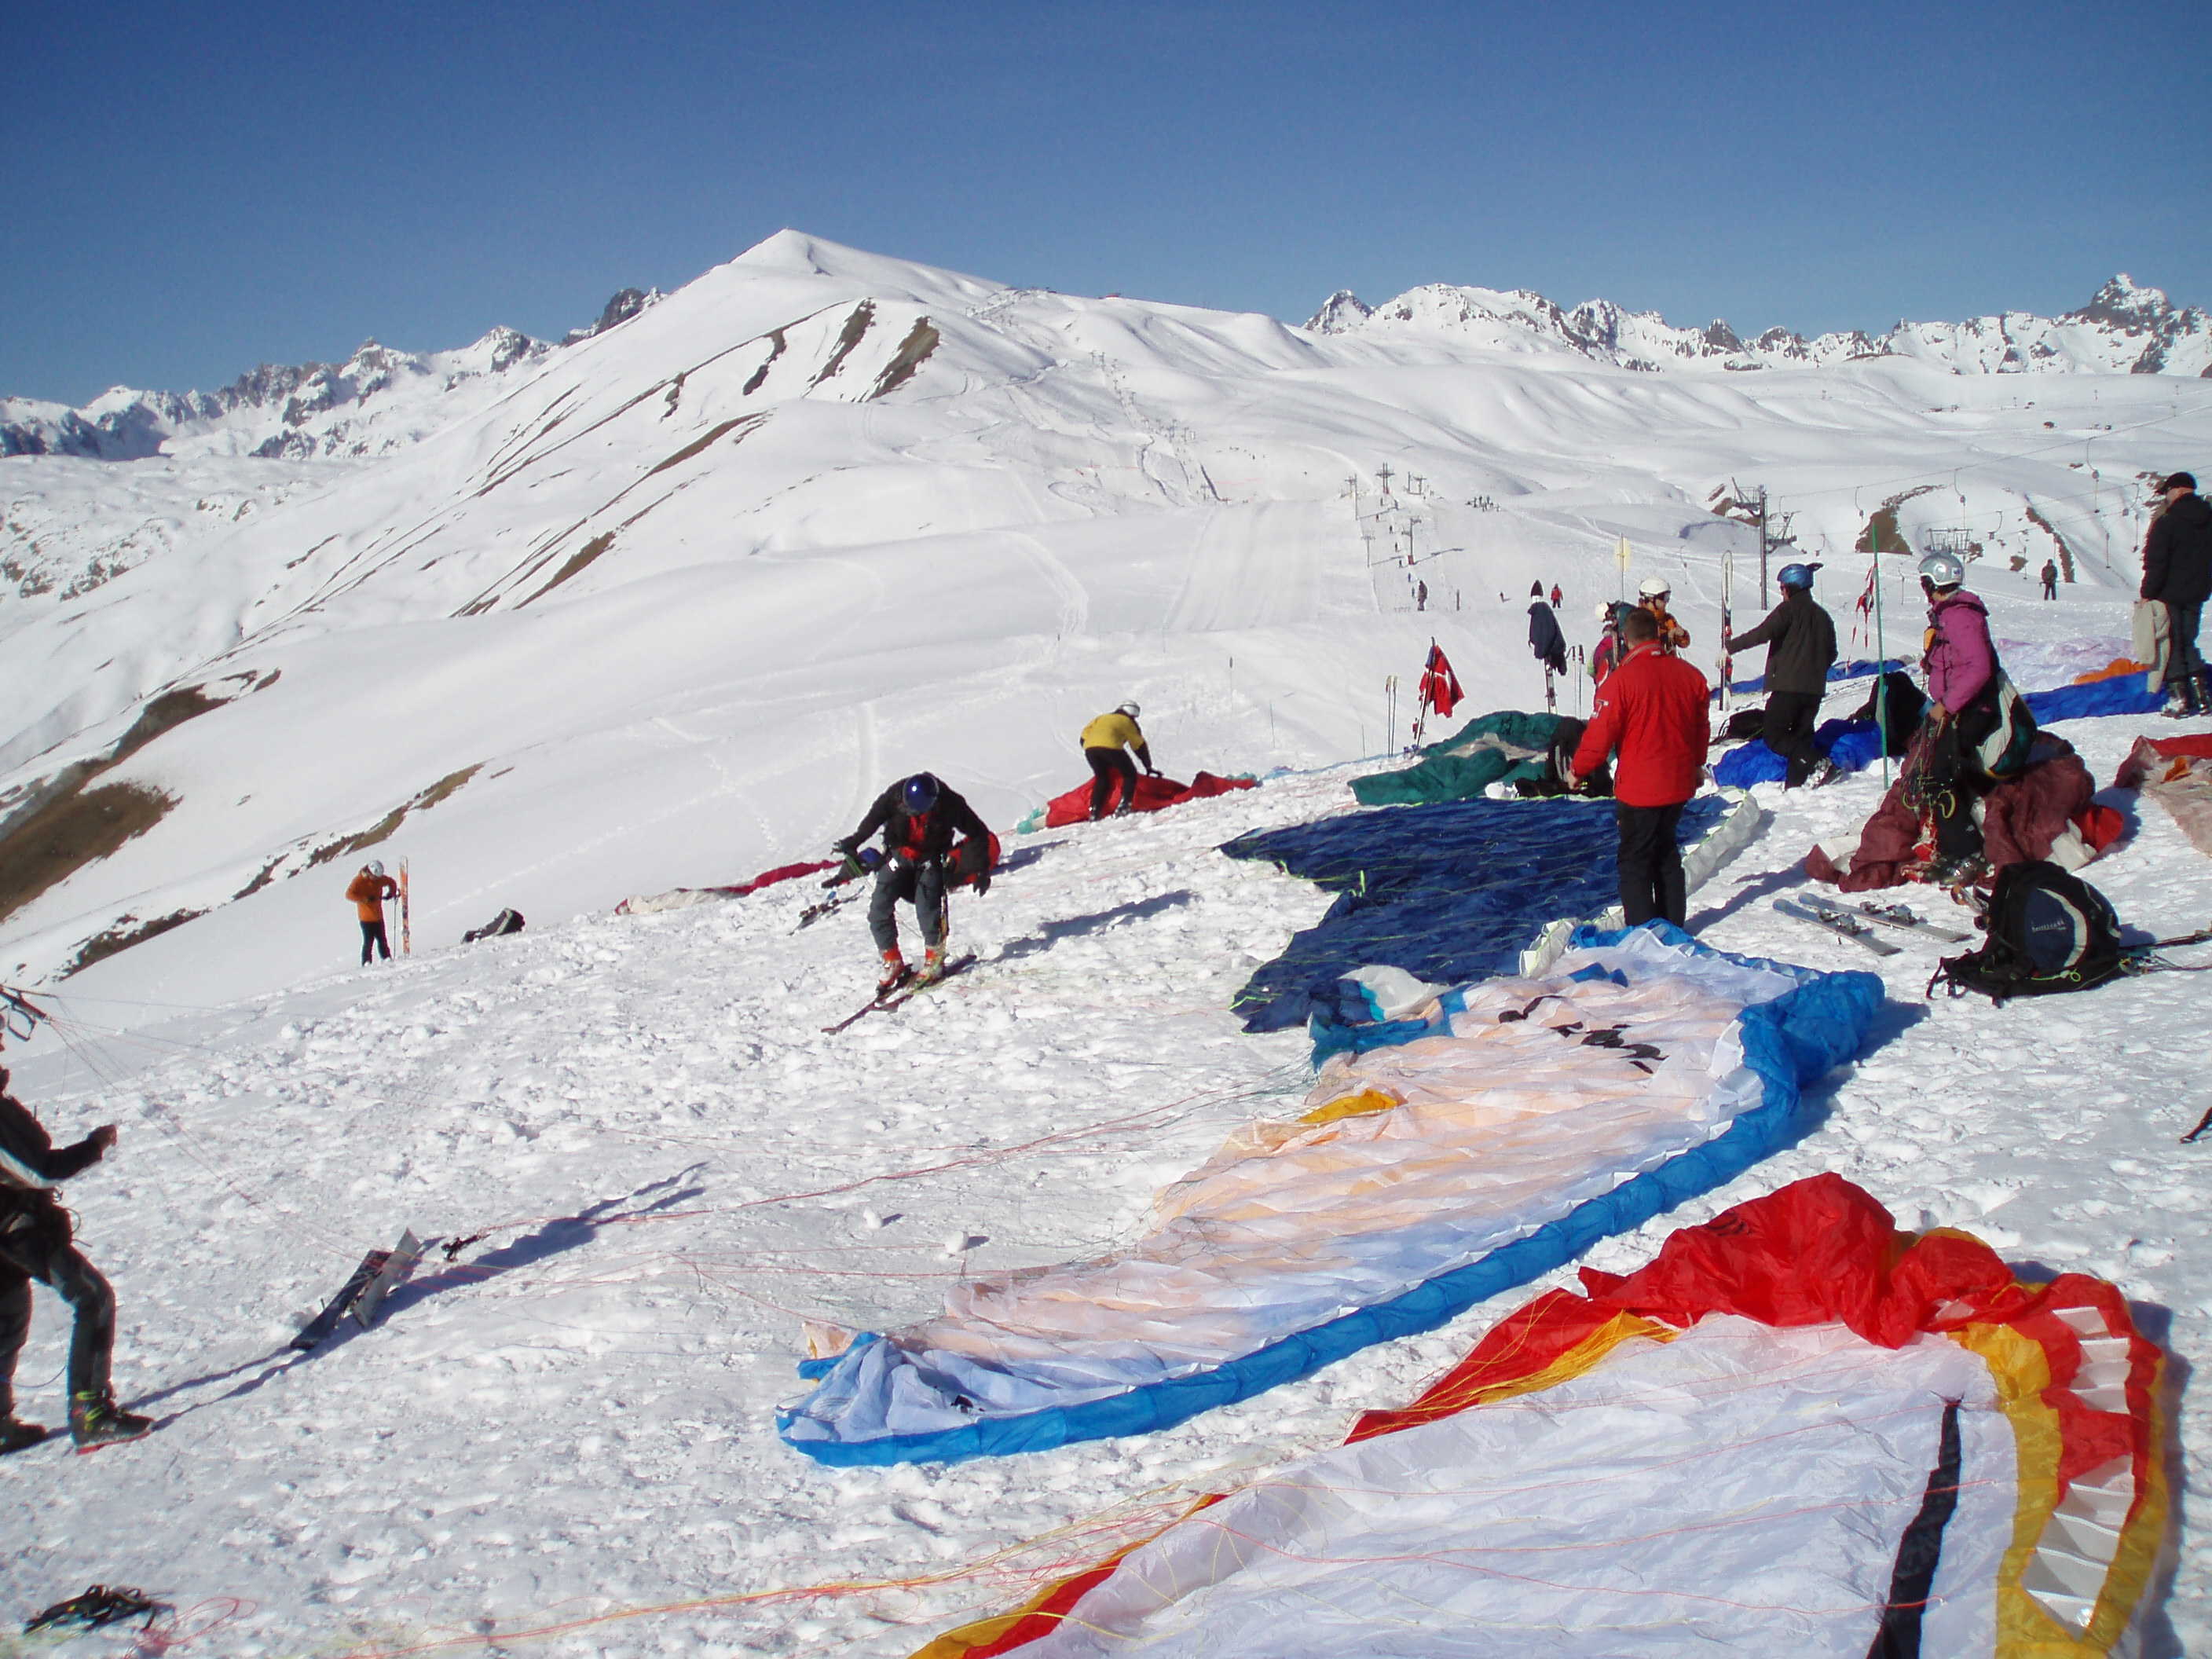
1555	596
37	1243
2050	579
368	890
1652	596
920	818
1420	595
1106	743
1800	638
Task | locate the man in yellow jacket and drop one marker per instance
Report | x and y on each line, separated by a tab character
1106	742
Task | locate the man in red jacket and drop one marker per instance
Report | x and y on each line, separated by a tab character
1653	709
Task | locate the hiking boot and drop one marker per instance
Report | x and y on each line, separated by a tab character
1827	774
16	1434
95	1420
896	974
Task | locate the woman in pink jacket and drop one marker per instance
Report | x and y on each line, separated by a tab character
1960	662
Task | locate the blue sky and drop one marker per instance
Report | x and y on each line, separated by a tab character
194	190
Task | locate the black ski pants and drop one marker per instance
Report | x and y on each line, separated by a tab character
1949	782
921	883
1651	882
1788	732
1106	765
2183	660
372	938
55	1263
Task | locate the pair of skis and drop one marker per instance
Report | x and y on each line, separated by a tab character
904	992
1859	924
380	1272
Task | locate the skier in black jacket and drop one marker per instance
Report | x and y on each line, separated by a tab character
1800	638
2177	572
920	818
36	1241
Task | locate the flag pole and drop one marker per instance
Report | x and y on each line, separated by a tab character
1880	664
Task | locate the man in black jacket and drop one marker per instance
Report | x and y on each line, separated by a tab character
36	1243
920	818
1800	638
2177	572
1546	642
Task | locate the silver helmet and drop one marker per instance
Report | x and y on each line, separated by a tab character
1942	569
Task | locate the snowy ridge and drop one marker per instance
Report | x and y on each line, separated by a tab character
667	605
377	401
2123	329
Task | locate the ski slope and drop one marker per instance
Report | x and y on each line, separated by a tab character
569	1429
668	605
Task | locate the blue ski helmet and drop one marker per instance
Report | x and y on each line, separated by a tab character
919	793
1796	576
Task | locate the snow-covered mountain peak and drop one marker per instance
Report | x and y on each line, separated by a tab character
1342	311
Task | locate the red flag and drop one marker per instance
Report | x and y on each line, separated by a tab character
1439	685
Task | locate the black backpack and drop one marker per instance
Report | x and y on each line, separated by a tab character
2048	930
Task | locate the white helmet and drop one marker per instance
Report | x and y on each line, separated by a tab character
1942	569
1654	588
1128	709
374	867
1605	613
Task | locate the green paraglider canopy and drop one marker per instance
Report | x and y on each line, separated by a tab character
1505	744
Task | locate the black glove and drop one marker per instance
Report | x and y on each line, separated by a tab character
982	883
843	846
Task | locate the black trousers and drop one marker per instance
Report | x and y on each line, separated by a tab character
372	938
903	878
2182	658
1106	765
1949	782
58	1265
1651	883
1789	733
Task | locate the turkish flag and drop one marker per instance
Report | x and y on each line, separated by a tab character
1439	685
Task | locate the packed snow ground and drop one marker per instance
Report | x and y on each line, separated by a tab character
563	1442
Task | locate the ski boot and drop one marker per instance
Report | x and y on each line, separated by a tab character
932	966
896	973
1827	774
95	1420
16	1434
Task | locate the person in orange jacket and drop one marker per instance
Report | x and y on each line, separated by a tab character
1653	596
1654	711
368	890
